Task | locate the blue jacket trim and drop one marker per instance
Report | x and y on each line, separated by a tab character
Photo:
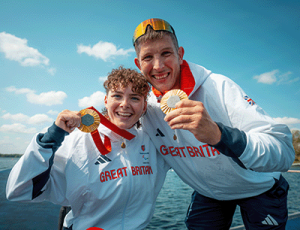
232	144
51	139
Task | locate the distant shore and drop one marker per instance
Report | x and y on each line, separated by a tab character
10	155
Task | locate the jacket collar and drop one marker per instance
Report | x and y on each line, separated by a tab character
187	81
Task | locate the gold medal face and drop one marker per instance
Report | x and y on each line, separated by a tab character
90	120
168	101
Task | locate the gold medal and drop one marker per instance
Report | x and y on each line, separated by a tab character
169	100
90	120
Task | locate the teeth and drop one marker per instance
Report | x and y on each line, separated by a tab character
124	114
160	76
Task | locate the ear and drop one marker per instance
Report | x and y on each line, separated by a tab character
105	100
137	63
180	54
145	107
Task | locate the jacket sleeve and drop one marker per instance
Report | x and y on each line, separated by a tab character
35	177
252	137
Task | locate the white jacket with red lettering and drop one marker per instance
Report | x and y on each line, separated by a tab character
254	149
115	191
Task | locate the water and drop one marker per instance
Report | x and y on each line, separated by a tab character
7	162
174	199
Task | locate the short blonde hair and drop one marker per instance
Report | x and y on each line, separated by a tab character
152	34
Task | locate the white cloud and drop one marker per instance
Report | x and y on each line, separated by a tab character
20	117
286	78
287	120
47	98
52	71
103	50
16	49
39	119
103	79
44	130
96	99
17	128
19	91
34	120
2	110
275	76
53	112
267	78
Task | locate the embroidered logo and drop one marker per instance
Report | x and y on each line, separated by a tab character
102	159
143	147
249	100
145	157
159	133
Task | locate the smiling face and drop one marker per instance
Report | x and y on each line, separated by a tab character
124	107
160	62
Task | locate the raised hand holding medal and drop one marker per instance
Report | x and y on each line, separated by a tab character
68	120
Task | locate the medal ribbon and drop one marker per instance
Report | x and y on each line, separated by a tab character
106	147
187	81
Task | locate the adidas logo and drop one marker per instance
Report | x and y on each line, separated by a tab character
102	159
159	133
269	220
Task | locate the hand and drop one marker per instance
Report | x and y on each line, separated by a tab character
68	120
192	115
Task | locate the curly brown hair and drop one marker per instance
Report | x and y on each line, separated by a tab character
125	76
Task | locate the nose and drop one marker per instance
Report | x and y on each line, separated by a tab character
158	63
124	102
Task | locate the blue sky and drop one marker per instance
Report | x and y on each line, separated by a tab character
54	55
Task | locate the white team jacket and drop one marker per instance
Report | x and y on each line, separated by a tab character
268	146
115	191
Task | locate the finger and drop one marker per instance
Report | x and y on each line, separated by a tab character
73	122
182	122
68	120
187	103
180	112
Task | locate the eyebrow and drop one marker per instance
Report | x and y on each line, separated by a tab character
131	94
168	48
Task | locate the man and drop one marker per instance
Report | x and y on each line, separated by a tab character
226	147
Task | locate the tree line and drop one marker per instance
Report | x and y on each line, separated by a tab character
10	155
296	144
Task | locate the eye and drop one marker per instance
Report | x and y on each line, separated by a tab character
135	98
116	96
166	53
147	58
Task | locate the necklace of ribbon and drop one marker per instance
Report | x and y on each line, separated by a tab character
105	147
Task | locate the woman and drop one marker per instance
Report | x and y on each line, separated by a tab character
112	191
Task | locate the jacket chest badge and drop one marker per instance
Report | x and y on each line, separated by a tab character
249	100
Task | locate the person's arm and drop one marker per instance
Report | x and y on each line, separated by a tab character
34	171
268	146
232	143
31	173
252	139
